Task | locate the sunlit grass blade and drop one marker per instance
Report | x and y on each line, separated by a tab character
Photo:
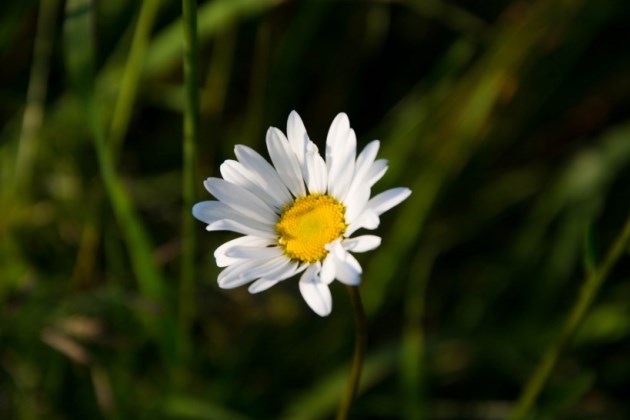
456	17
79	49
163	53
413	344
594	278
456	129
186	407
216	83
580	308
128	89
38	85
212	17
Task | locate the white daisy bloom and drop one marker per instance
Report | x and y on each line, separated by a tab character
297	216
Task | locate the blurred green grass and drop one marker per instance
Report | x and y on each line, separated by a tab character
509	120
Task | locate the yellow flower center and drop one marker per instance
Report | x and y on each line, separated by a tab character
308	224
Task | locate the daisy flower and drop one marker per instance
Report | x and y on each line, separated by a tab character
298	216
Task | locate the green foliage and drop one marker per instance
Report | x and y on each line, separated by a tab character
508	120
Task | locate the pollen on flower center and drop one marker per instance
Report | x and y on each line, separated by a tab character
308	224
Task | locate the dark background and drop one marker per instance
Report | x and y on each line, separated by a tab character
507	119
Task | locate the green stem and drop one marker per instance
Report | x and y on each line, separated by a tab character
359	354
191	132
587	294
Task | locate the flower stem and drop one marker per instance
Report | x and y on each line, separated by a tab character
191	133
592	283
359	353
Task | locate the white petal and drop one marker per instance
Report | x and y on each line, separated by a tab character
212	212
316	175
346	274
315	292
240	199
362	243
367	156
285	161
363	165
388	199
284	271
341	144
236	173
238	227
239	274
265	174
261	285
328	269
233	275
233	171
272	279
355	202
376	172
253	252
347	268
368	219
359	191
345	176
336	133
220	253
296	133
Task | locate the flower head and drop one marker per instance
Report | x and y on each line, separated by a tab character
298	216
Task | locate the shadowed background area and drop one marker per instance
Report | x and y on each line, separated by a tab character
508	120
